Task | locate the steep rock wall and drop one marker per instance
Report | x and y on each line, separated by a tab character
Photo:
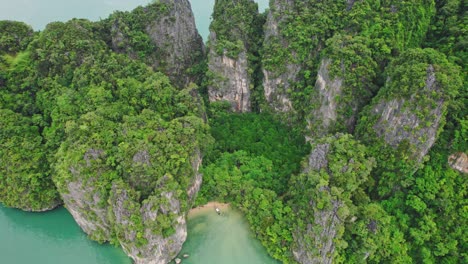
233	61
231	81
322	197
276	83
162	34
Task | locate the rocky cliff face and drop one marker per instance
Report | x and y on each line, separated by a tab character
328	89
400	119
278	79
344	85
319	234
83	199
322	196
405	118
151	231
134	186
234	50
142	244
231	81
167	38
459	162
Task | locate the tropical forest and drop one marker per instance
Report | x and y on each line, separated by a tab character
338	128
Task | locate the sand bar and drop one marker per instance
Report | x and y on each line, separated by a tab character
211	206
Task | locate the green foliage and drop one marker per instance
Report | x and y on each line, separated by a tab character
448	31
14	36
408	77
247	181
393	25
324	199
259	135
249	166
24	171
237	26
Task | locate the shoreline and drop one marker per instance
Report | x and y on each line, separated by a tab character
210	206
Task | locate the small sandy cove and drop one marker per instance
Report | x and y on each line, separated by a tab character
211	206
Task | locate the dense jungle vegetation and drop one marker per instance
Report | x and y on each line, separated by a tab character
73	107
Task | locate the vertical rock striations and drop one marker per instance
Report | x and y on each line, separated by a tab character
295	33
345	83
233	53
279	73
323	197
141	201
164	35
404	120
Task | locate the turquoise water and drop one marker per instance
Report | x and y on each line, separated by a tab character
50	238
38	13
222	239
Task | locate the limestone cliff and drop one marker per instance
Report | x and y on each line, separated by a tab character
412	111
322	197
405	118
162	34
136	193
344	85
278	79
233	53
459	162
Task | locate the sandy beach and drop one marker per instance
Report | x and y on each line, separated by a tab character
211	206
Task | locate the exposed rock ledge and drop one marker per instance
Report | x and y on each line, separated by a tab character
459	162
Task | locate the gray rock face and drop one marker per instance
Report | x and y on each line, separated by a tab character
231	80
318	235
157	249
173	34
101	219
399	121
84	201
318	158
459	162
328	222
177	36
197	181
277	83
325	115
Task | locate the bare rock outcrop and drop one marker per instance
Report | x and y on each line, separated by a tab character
459	162
233	49
231	81
400	121
168	38
276	83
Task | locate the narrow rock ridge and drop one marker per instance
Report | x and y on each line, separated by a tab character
233	53
329	222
